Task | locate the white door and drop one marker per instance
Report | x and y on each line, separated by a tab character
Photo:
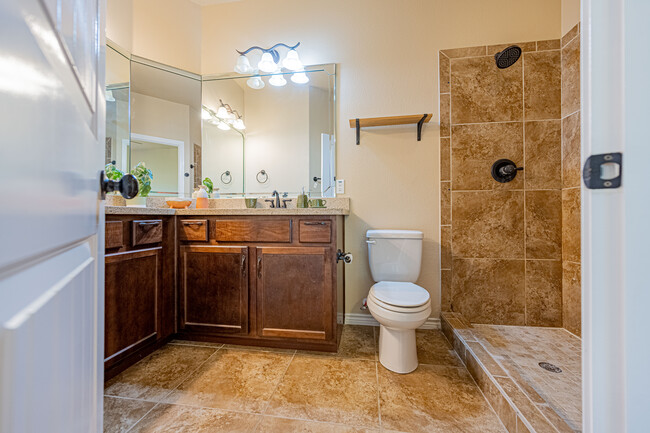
51	219
616	222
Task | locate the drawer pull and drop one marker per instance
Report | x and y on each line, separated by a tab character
315	223
149	224
193	223
243	264
259	267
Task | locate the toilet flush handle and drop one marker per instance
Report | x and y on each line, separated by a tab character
371	242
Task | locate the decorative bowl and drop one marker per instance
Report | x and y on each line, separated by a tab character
177	203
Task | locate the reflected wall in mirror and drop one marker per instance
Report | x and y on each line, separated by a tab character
288	142
166	125
118	66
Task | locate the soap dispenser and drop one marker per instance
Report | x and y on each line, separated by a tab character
302	201
202	198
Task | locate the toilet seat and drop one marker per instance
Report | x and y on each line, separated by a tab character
394	309
400	296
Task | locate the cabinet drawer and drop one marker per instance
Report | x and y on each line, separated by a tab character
253	230
193	230
315	231
114	234
147	232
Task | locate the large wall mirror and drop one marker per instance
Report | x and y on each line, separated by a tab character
245	138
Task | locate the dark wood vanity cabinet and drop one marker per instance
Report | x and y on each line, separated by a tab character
214	289
294	293
261	280
139	289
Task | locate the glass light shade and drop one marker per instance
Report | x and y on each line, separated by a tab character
109	96
277	80
300	78
222	113
255	83
239	124
205	114
223	126
292	61
266	63
243	66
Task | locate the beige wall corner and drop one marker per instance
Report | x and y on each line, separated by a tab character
119	22
570	14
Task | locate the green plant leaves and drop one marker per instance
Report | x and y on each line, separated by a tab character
144	176
208	184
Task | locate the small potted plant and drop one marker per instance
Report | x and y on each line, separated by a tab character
144	176
113	198
209	186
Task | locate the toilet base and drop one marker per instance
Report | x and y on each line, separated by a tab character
397	349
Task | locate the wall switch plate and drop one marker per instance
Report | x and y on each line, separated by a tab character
340	186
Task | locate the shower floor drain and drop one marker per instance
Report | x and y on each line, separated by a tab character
550	367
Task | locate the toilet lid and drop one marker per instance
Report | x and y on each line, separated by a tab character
400	294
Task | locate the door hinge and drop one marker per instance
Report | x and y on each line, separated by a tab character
603	171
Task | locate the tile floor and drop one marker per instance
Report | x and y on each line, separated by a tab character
200	388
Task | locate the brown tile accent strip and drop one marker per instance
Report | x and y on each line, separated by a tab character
445	203
444	73
445	159
456	53
551	44
445	114
575	31
525	47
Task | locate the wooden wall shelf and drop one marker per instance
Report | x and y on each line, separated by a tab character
418	119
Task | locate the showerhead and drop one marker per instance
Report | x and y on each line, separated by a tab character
507	57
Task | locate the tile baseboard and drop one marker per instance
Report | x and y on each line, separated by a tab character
368	320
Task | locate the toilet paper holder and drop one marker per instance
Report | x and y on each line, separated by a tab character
346	257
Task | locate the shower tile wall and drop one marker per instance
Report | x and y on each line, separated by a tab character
502	243
571	180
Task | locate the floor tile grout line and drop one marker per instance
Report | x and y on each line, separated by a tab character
375	340
143	417
268	404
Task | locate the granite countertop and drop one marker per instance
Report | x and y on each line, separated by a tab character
130	210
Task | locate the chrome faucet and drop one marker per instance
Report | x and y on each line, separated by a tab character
276	194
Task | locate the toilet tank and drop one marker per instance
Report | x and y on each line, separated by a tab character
394	255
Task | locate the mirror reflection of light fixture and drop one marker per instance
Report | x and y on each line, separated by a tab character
239	124
255	83
243	66
225	118
109	96
292	61
277	80
299	77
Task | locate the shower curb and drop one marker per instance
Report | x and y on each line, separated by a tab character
520	408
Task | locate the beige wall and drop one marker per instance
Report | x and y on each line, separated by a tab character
570	14
119	22
387	56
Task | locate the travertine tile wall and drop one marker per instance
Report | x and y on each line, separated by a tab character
571	289
501	255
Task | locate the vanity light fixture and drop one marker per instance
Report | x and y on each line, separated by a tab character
205	114
223	126
270	60
239	124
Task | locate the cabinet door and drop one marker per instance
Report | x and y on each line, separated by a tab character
295	293
133	281
214	289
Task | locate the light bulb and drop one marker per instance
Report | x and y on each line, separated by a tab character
239	124
205	114
300	78
224	126
222	113
243	66
277	80
255	83
292	61
266	63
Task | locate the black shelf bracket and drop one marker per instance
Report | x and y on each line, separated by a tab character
420	123
358	132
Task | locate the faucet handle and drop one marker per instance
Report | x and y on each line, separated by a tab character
285	201
272	203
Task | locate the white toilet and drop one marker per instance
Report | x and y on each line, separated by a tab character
399	305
